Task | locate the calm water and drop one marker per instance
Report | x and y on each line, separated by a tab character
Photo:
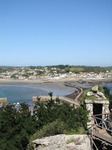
24	93
108	85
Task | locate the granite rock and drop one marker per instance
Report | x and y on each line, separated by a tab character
95	88
63	142
90	93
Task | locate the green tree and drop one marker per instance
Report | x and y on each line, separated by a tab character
49	111
109	96
16	126
50	94
106	92
38	98
53	128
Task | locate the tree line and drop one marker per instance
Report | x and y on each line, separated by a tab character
18	127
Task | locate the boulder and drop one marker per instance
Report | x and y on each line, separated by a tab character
95	88
98	97
90	94
101	95
63	142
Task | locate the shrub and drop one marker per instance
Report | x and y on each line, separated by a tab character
53	128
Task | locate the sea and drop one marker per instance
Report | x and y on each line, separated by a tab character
109	86
24	92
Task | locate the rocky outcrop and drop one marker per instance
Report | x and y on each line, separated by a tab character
63	142
90	94
95	88
97	94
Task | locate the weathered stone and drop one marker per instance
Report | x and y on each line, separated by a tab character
90	94
63	142
98	97
101	95
106	109
95	88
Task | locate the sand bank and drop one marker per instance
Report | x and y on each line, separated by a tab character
70	81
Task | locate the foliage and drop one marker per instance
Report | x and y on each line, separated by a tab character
40	70
14	76
71	141
66	70
16	126
51	110
110	105
84	96
49	118
56	118
53	128
78	69
50	94
109	96
106	92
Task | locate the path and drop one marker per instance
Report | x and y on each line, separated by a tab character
78	96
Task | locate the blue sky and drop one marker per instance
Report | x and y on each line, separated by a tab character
52	32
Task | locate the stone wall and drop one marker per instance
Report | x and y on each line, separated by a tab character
63	142
89	106
94	96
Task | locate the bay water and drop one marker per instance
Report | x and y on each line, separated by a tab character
24	93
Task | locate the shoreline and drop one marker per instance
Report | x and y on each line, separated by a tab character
43	81
68	82
74	83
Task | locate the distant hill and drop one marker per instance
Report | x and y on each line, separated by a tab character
62	68
77	69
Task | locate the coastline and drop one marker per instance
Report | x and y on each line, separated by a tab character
40	81
74	83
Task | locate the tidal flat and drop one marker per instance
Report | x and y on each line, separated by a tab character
24	90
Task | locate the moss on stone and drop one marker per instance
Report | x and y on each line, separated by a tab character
84	96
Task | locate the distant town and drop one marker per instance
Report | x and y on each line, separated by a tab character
54	72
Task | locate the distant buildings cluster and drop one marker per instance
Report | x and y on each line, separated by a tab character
26	73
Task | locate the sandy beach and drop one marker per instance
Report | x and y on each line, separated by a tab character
71	82
54	80
75	83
